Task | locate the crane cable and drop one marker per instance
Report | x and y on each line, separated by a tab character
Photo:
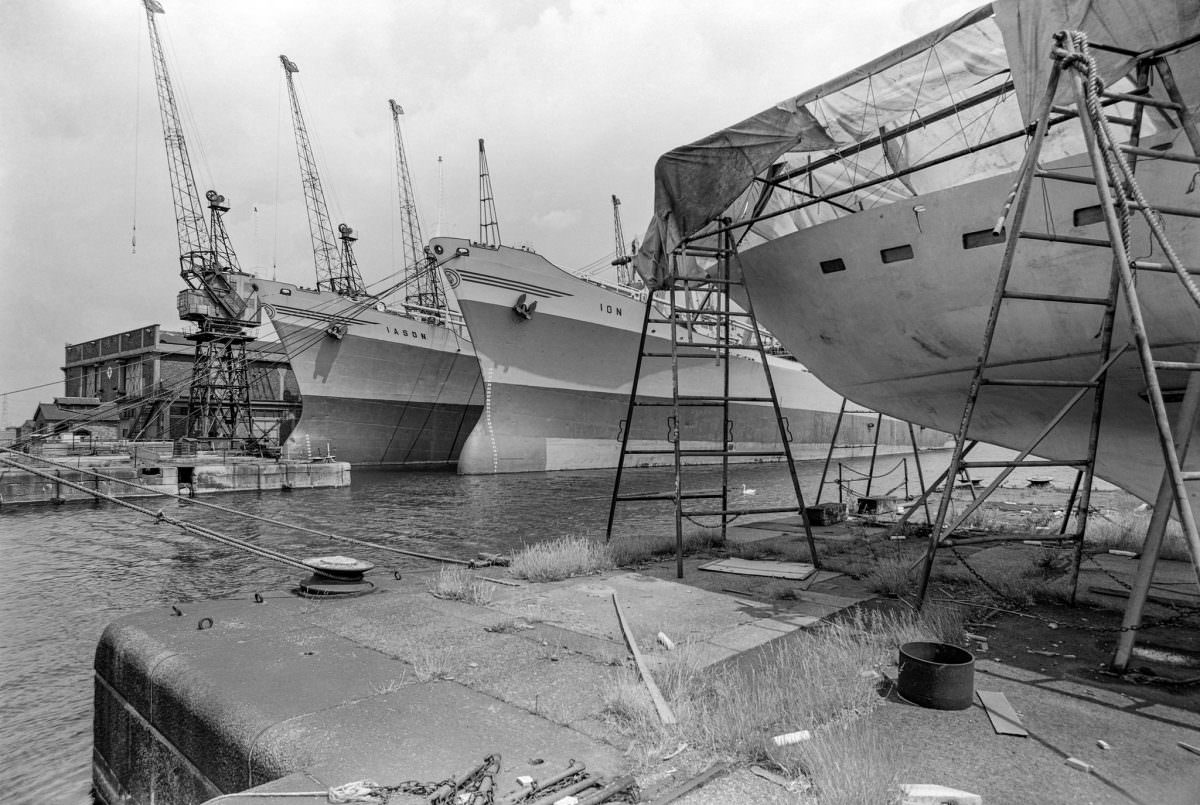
216	506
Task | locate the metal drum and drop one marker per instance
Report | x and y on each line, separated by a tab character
937	675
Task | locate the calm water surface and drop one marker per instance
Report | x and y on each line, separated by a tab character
72	569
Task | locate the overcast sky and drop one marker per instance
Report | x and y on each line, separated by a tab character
576	99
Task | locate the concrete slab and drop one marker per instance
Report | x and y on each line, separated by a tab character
960	749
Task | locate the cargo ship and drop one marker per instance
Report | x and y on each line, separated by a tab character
867	209
557	353
380	388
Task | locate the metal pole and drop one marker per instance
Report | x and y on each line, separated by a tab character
837	428
1186	424
637	373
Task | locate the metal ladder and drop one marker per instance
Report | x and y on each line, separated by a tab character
1112	167
876	430
678	309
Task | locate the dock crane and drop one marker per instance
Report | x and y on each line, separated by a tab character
337	270
623	260
219	298
489	224
425	290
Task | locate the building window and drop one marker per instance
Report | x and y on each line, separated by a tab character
831	266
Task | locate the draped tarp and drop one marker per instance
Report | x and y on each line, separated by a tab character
1029	29
976	56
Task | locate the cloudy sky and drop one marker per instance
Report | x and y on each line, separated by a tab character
576	99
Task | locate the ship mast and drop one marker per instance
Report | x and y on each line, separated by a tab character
424	289
337	269
489	225
219	398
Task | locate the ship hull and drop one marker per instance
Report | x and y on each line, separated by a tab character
903	338
558	382
378	388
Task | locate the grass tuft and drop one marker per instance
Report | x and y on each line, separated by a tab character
1127	532
810	680
560	559
847	764
627	551
457	584
889	576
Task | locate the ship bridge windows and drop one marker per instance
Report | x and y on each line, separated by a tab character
983	237
896	254
832	266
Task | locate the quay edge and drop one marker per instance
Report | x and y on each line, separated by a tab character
127	480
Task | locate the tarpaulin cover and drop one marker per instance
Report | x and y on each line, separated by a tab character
945	100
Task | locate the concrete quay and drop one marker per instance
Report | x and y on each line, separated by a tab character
123	477
295	696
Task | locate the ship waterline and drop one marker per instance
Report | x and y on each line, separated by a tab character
378	388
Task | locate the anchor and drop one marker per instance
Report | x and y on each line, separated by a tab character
524	310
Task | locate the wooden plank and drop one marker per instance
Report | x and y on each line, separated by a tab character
664	710
750	567
1004	718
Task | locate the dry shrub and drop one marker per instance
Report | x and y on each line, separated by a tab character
457	584
806	681
847	763
630	550
1127	532
889	576
560	559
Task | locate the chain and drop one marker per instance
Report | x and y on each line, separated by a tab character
476	788
1181	613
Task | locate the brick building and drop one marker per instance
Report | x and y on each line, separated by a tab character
146	373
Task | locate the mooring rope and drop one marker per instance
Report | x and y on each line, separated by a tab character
162	517
152	491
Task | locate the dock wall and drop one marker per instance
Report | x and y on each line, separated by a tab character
21	486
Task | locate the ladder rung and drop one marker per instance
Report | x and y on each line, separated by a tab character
1065	177
717	313
1047	297
692	451
1184	212
1153	153
715	345
1177	366
1189	476
698	281
1069	384
1144	99
1166	268
734	453
707	355
701	401
1069	112
668	496
772	510
1065	239
1026	463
